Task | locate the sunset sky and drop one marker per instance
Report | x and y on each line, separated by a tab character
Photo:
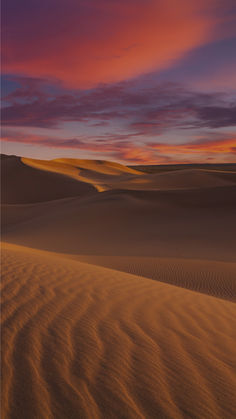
134	81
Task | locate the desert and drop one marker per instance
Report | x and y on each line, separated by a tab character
118	289
118	209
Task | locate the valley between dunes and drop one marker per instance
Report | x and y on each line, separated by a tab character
118	290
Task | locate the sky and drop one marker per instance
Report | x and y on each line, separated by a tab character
132	81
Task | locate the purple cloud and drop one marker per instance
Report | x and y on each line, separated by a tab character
149	109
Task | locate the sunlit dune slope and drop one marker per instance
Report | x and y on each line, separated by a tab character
84	341
99	173
100	166
23	184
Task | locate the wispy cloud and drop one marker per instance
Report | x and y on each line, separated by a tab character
150	110
122	148
203	146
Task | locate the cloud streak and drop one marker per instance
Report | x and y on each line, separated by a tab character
150	110
123	149
218	146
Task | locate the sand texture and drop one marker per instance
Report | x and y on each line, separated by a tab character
118	291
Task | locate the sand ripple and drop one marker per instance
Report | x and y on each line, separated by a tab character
209	277
81	341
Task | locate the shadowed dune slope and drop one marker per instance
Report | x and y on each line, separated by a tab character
89	342
197	224
158	168
22	184
180	179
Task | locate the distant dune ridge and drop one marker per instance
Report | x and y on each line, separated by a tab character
22	184
99	173
118	290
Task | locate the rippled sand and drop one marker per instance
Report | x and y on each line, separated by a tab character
84	341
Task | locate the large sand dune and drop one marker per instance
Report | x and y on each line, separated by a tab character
82	341
118	290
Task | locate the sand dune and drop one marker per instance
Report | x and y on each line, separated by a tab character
185	224
159	168
23	184
209	277
83	341
109	176
180	179
68	227
100	166
117	291
99	173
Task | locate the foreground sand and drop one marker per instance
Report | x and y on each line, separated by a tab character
82	341
118	291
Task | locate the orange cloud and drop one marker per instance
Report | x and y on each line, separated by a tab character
86	43
219	146
219	150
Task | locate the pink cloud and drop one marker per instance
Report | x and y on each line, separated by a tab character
102	41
